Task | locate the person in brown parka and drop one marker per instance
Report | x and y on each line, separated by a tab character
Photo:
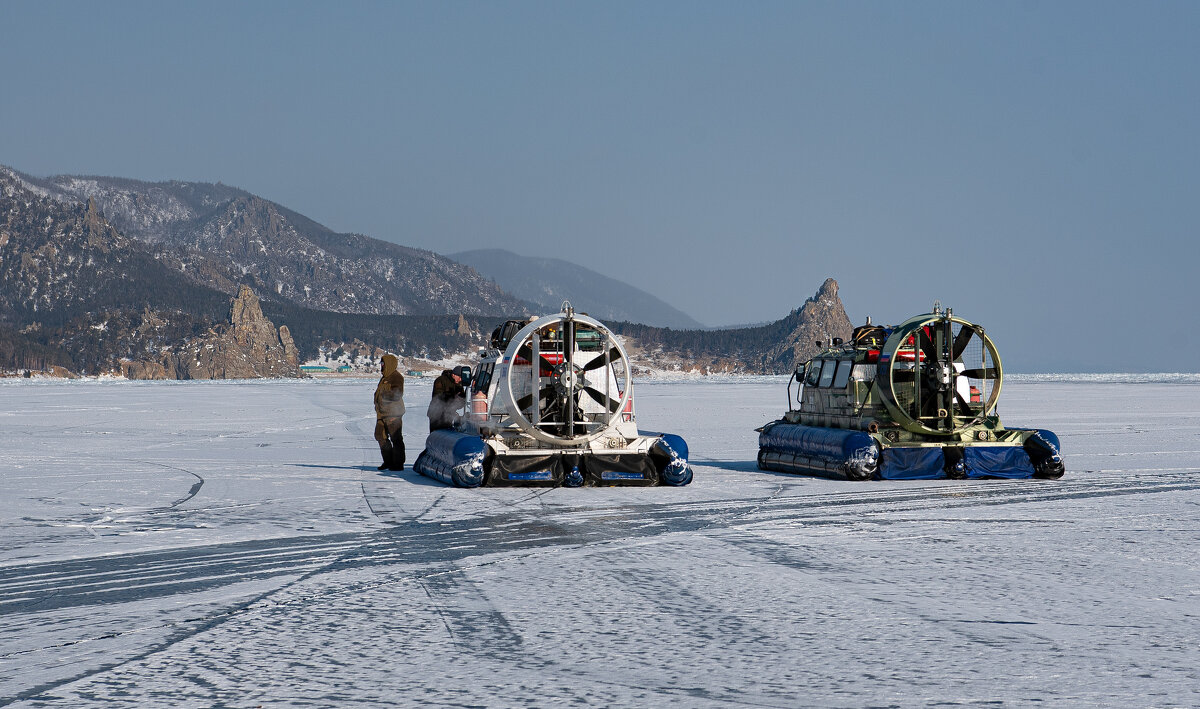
389	414
448	396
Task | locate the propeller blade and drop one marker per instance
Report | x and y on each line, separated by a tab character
525	401
927	346
613	355
960	342
611	404
984	373
962	405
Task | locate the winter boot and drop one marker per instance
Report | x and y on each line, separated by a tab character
396	460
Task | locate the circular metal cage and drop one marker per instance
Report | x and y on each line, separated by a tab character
939	374
568	379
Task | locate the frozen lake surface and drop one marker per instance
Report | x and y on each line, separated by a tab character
231	544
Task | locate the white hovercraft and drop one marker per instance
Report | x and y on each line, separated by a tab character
550	404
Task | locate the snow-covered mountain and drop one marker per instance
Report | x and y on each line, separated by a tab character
142	291
222	237
74	292
78	296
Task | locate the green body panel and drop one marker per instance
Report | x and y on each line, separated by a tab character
863	393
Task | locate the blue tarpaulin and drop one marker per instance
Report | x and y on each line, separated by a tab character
997	462
912	464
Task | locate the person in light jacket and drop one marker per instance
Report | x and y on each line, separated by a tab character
389	414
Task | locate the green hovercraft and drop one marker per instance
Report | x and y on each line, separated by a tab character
916	401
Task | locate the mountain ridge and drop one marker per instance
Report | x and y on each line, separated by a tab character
547	282
222	236
775	348
79	295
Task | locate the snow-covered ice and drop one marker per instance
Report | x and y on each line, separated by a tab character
232	544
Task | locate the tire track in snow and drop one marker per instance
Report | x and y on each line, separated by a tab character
423	550
192	630
355	424
194	627
191	492
481	629
147	511
131	577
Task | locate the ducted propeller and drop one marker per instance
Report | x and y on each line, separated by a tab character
576	382
939	374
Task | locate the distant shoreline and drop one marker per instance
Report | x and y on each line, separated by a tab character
9	378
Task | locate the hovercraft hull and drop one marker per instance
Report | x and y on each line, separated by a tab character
813	450
454	458
858	455
467	460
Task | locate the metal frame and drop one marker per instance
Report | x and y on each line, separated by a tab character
570	379
940	323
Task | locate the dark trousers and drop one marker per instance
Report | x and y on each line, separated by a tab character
391	444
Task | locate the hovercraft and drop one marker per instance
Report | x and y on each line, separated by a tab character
551	403
915	401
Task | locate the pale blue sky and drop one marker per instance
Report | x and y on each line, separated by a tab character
1034	165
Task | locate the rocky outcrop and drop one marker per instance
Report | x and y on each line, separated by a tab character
775	348
821	318
142	369
249	347
289	345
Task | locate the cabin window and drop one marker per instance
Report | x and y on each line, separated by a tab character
827	371
864	372
814	373
843	373
483	377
